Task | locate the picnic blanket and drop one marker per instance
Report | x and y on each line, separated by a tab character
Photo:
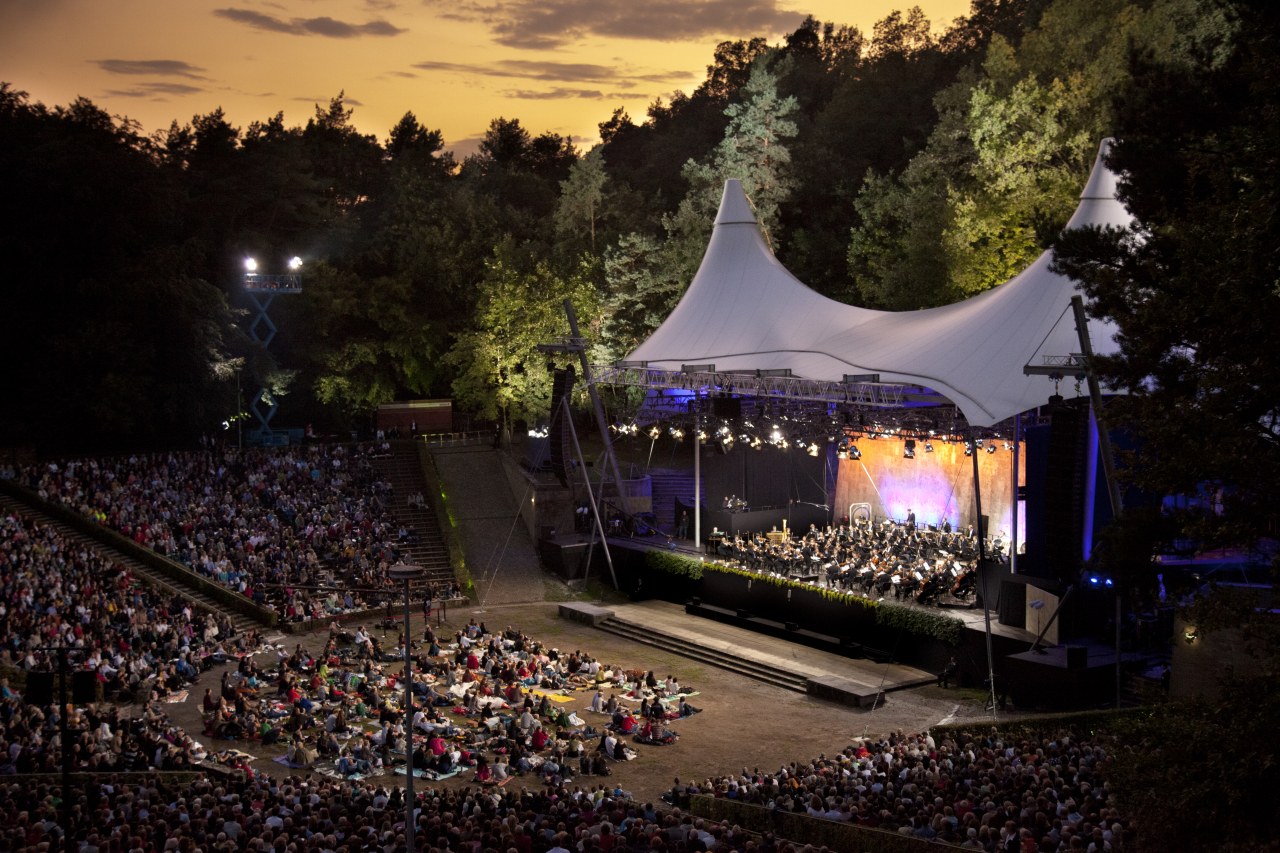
429	774
284	759
554	697
333	773
180	696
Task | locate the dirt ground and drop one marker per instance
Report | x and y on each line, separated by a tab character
745	723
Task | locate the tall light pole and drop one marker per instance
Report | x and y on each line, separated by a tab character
262	290
407	573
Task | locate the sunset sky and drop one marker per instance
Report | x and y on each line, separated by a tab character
556	65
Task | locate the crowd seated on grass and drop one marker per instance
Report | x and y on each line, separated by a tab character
1042	792
264	522
492	703
303	814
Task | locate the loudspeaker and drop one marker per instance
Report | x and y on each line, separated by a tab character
84	687
991	576
792	626
1064	489
39	688
744	614
1077	657
728	408
561	386
1013	604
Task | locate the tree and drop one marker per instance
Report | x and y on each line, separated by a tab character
111	337
753	151
1193	291
581	195
499	373
643	290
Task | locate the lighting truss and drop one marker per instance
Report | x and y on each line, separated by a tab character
877	395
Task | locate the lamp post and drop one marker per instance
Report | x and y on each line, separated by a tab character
407	573
262	289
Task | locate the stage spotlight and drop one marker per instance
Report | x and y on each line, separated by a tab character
677	433
1008	446
756	443
813	449
909	449
991	448
702	434
842	451
928	447
854	452
968	448
655	432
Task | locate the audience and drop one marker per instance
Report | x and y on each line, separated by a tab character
1042	792
264	522
261	814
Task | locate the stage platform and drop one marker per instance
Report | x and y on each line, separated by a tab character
858	682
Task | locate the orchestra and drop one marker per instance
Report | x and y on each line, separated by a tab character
909	562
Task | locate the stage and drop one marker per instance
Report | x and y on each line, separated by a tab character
849	681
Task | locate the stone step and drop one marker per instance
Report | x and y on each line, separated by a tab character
714	657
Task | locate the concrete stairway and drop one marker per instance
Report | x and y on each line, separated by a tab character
714	657
138	569
403	470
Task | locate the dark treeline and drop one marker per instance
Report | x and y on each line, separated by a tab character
899	168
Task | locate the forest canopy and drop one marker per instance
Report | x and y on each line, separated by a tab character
903	168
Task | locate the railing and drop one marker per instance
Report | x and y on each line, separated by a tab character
458	439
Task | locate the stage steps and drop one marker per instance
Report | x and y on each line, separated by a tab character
723	660
667	485
139	569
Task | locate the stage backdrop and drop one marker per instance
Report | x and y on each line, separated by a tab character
934	485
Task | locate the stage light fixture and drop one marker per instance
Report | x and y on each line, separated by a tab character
991	448
928	447
677	433
655	432
968	448
702	434
1008	446
813	449
909	449
756	443
842	451
854	452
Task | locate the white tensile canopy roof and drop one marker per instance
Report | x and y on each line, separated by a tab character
745	312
